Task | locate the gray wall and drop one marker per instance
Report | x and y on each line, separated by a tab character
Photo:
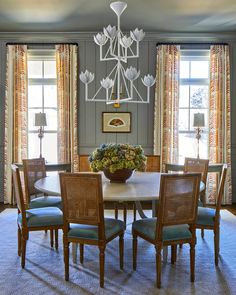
90	113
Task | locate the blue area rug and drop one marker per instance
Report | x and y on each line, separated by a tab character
44	271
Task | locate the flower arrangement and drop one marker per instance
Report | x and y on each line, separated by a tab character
116	156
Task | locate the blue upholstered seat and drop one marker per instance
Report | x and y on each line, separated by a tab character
205	216
112	226
40	202
147	227
42	217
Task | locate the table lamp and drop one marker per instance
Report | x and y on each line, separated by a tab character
198	123
40	121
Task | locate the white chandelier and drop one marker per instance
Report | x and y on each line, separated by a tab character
119	80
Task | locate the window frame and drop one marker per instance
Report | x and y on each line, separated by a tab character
41	55
194	55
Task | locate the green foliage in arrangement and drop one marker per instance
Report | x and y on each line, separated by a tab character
115	156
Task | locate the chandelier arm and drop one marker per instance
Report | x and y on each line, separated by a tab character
114	80
141	99
124	79
113	48
112	71
105	58
93	98
134	55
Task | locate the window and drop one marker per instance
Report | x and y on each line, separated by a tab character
193	98
42	97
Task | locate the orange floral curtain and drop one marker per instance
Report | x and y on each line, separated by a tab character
66	61
167	104
15	144
219	118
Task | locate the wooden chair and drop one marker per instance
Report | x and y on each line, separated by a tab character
83	207
152	165
47	218
176	219
201	166
84	165
35	169
209	218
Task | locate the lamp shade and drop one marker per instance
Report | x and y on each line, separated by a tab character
40	119
199	120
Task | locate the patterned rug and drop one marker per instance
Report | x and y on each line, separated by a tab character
44	271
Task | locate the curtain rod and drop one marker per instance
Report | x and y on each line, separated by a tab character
194	43
40	43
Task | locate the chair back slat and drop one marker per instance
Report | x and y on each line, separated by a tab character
18	189
82	198
178	200
34	169
221	190
197	165
152	163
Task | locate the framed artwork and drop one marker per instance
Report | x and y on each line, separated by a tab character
118	122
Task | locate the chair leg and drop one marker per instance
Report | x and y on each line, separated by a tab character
125	214
192	262
23	250
51	237
202	233
135	246
121	249
173	253
158	266
203	199
81	253
116	210
102	264
216	245
74	252
134	211
56	239
19	242
66	258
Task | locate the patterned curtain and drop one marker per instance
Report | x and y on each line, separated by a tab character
15	145
66	61
219	118
167	104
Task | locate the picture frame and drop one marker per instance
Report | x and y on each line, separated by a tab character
116	122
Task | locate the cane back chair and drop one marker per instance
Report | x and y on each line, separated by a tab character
176	219
46	218
84	221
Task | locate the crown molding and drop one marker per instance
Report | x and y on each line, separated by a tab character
54	37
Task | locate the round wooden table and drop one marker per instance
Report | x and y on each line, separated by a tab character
141	186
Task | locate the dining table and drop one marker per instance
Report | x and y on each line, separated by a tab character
141	186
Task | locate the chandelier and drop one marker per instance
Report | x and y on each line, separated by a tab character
115	46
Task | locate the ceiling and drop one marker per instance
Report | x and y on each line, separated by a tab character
92	15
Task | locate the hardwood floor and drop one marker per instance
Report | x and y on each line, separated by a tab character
231	208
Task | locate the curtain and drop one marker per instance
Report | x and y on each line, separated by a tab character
219	118
66	63
15	144
167	104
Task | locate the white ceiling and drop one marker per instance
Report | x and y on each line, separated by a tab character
92	15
